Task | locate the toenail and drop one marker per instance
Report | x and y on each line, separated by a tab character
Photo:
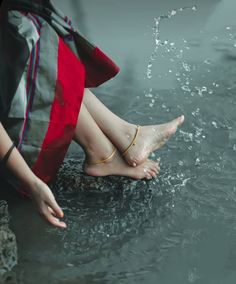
134	164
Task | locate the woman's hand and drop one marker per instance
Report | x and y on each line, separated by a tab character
45	201
38	190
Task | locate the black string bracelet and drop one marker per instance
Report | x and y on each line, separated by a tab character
6	157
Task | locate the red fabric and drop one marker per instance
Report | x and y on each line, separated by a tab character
64	114
73	76
99	68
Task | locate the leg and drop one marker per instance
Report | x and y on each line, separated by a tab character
98	147
120	132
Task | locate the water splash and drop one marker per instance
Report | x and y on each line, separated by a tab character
157	38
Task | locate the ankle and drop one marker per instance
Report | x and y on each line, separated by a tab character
128	134
94	153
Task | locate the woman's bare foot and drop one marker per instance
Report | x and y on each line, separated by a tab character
117	166
149	139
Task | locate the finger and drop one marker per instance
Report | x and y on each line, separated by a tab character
51	211
55	207
51	219
56	222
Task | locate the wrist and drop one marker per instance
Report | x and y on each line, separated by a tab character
31	183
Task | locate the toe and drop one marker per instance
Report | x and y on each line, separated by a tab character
133	161
152	171
153	174
180	120
149	176
155	166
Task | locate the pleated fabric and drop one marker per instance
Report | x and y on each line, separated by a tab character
45	66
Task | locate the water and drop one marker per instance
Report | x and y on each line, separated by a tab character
181	227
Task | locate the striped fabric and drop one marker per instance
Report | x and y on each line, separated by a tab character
42	97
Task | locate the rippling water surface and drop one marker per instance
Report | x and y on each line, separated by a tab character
181	227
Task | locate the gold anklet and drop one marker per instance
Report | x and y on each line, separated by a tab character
133	142
105	160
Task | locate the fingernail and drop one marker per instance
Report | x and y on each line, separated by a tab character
63	224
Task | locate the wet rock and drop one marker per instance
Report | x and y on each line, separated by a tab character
72	178
102	212
8	248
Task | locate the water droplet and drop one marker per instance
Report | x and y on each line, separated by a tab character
185	88
173	12
186	66
158	41
207	61
192	275
215	84
197	162
70	264
163	106
214	124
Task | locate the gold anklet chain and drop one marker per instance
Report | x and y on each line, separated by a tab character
105	160
133	142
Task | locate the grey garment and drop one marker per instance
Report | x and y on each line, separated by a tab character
14	54
14	49
33	31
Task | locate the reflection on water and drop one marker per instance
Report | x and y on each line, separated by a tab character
179	228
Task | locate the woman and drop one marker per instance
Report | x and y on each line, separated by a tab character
46	72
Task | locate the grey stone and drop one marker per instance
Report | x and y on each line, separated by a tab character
102	211
8	247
